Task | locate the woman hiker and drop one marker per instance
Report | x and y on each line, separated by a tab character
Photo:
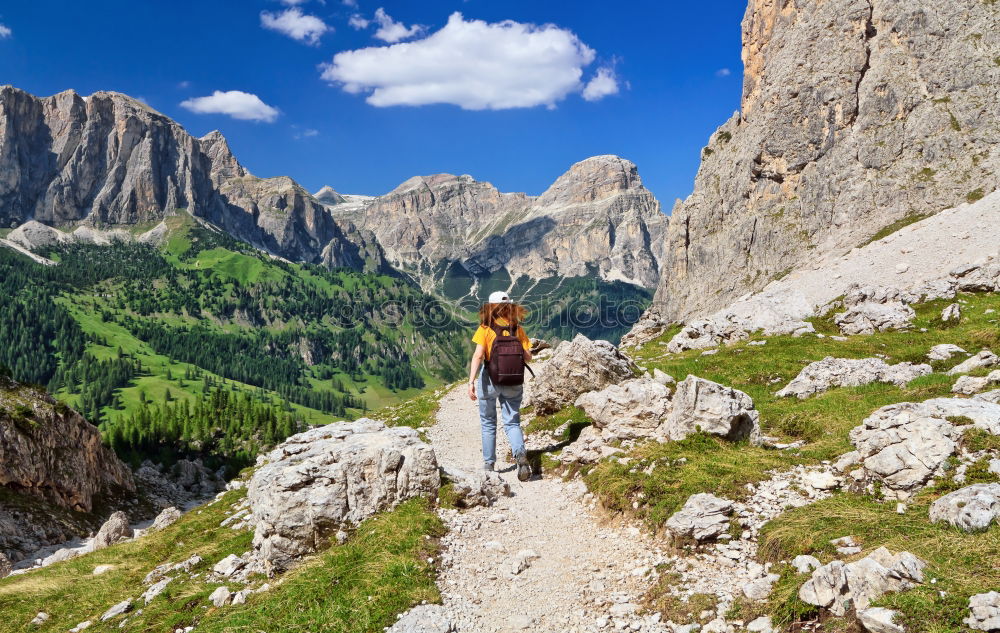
500	317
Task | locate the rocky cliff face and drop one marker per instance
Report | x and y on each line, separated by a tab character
597	216
54	471
855	114
108	159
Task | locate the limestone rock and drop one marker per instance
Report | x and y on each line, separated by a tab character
984	612
425	618
122	607
989	396
155	589
803	563
330	477
972	508
40	618
220	597
760	589
590	447
982	360
576	367
983	277
634	409
846	372
869	318
830	98
707	406
761	625
969	385
5	566
57	463
522	560
329	196
114	530
952	313
838	585
165	518
704	517
880	620
944	351
229	565
904	445
476	488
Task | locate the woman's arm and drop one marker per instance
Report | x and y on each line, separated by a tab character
477	360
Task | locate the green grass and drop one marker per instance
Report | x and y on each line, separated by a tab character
926	175
574	419
357	587
417	412
975	196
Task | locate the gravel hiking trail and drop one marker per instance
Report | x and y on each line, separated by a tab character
588	575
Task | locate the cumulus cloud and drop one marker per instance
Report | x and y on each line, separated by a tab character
471	64
295	24
391	31
358	22
237	104
5	31
601	85
723	72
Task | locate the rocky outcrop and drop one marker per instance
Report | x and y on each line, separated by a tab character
708	407
331	478
54	471
968	385
114	530
839	586
871	317
475	488
576	367
903	446
848	372
596	218
982	360
108	159
972	508
855	114
944	351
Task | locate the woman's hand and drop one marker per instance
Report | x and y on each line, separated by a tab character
472	392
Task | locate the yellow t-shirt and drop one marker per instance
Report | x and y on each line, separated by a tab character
485	336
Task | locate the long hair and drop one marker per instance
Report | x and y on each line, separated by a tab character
510	312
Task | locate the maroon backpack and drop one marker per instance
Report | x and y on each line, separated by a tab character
506	364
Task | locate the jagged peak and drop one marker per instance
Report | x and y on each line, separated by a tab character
593	178
329	195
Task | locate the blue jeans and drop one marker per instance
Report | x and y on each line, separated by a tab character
510	409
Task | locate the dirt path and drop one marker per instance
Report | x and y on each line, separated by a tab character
587	577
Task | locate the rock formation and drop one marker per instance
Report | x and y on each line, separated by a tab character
855	114
706	406
576	367
108	160
331	478
971	508
54	470
849	372
703	517
596	218
840	586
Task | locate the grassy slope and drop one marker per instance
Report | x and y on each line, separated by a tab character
963	563
357	587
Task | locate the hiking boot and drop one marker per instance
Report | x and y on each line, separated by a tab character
523	467
488	466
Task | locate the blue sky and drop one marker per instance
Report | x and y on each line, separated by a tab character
418	90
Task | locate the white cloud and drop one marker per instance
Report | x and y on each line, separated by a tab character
723	72
350	3
471	64
306	133
358	22
5	32
601	85
292	3
391	31
295	24
237	104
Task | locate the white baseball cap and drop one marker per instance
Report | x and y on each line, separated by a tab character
499	297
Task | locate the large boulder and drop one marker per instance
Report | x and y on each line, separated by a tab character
704	517
869	318
903	446
114	530
978	277
944	351
837	586
634	409
331	477
984	612
982	360
576	367
849	372
703	405
968	385
971	508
